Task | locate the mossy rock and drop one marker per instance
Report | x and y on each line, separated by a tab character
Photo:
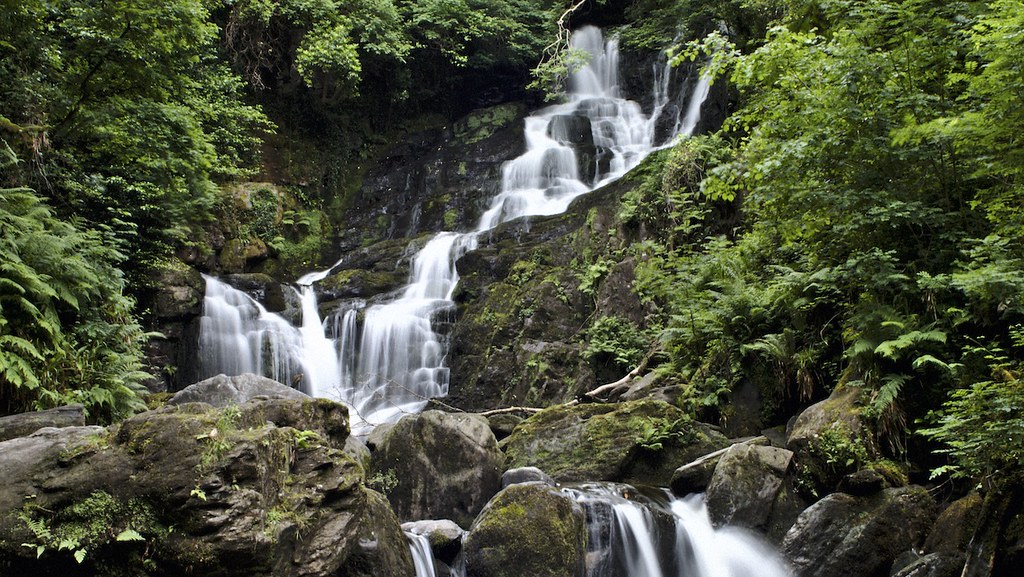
444	466
481	124
611	442
527	529
260	489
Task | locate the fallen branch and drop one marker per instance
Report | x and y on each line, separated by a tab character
506	410
616	387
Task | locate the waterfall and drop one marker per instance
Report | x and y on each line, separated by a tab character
396	362
422	557
651	534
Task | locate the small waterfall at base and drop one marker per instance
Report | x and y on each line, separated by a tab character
396	362
422	556
649	533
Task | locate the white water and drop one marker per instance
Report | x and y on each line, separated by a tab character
393	362
655	535
422	556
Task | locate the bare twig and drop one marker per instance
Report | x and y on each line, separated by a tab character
507	410
619	386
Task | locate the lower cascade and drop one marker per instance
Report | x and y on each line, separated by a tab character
386	360
649	533
646	532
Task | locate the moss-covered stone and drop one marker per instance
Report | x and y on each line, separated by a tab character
527	529
445	466
483	123
260	489
637	441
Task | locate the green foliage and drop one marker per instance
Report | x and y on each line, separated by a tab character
653	24
383	482
618	340
127	115
66	327
218	439
874	166
654	434
96	527
982	424
832	454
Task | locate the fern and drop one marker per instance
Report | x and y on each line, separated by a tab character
66	329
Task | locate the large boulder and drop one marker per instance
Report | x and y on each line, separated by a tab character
222	391
951	535
23	424
841	409
749	489
527	529
256	490
634	442
443	466
830	440
443	535
847	536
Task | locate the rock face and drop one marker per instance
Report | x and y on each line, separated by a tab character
746	484
634	442
222	391
847	536
431	180
528	529
23	424
442	465
259	489
826	438
444	536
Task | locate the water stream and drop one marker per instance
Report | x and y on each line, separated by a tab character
649	533
386	360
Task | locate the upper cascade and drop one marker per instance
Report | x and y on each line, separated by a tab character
394	361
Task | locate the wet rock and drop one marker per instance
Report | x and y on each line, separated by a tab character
258	489
842	406
358	451
527	529
446	466
526	475
261	287
847	536
23	424
31	461
221	391
444	536
381	549
829	440
694	476
502	425
745	485
863	482
238	254
179	292
955	526
607	442
933	565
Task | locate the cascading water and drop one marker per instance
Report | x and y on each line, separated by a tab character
651	534
422	557
395	362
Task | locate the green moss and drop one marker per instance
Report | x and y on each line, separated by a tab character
95	529
895	474
450	219
482	124
529	530
594	441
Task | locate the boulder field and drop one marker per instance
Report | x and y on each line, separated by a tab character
242	476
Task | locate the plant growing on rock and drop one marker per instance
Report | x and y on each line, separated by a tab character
96	522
